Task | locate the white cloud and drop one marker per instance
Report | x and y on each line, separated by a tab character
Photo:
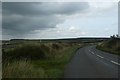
106	29
83	33
72	28
101	5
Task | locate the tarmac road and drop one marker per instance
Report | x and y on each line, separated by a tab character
88	62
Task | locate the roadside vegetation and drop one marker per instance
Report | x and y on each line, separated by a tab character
37	60
112	45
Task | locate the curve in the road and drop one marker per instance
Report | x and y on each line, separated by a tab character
88	62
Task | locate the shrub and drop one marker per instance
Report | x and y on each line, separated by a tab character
26	51
33	51
56	46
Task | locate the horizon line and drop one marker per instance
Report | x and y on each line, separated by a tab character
53	38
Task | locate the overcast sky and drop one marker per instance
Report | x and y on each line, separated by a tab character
36	20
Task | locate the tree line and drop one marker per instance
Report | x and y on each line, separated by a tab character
115	36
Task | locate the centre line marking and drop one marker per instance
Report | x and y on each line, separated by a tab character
103	57
92	52
89	50
100	56
114	62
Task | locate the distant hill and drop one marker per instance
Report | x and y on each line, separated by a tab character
86	39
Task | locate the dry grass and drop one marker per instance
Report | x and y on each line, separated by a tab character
22	69
26	61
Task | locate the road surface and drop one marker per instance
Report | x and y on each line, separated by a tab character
88	62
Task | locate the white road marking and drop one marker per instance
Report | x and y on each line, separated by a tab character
100	56
114	62
91	52
103	57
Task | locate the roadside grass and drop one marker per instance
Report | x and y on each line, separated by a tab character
22	69
54	68
112	46
37	60
108	50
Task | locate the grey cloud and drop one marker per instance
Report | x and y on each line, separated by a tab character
20	18
24	24
28	8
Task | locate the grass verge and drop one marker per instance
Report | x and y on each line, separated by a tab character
112	46
54	68
21	62
108	50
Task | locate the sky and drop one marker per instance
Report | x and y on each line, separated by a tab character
54	20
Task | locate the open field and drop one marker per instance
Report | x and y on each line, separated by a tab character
37	60
45	59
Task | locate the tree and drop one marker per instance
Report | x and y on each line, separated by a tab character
113	36
117	35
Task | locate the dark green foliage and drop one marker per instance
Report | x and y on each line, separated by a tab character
56	46
26	51
32	51
44	60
